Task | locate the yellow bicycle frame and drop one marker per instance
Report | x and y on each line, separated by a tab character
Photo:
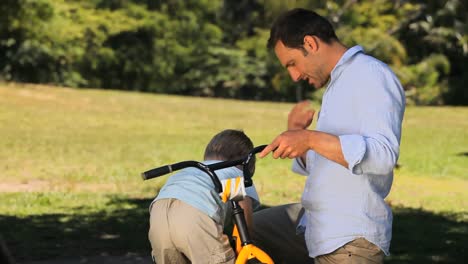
249	251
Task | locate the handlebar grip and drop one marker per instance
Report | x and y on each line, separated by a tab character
156	172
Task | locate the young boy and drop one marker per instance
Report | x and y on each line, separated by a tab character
187	217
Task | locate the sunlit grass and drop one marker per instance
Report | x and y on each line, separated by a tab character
59	140
70	164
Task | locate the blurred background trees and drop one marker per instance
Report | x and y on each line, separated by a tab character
217	47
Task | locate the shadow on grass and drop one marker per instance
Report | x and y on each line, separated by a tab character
424	237
418	236
43	237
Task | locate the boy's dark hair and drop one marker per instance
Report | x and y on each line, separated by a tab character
292	26
230	144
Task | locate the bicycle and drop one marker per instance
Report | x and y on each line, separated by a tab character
245	250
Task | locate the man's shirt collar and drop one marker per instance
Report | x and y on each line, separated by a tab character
344	59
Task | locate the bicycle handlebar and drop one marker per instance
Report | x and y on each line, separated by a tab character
156	172
160	171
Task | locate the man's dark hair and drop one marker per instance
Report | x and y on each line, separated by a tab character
230	144
292	26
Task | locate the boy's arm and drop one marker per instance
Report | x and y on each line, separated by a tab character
246	205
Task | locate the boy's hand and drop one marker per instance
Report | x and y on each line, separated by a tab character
301	116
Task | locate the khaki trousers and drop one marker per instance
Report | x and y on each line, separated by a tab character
354	252
180	233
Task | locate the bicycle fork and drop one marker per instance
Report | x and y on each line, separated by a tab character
246	251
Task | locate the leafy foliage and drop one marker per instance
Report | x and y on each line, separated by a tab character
217	48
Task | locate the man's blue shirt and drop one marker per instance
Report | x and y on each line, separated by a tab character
363	105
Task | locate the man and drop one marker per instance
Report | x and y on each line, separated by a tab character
349	158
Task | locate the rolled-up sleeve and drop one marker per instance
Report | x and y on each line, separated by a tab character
369	154
353	148
375	149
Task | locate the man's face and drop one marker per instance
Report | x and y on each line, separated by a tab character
302	64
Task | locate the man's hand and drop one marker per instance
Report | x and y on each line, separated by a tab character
290	144
301	116
295	143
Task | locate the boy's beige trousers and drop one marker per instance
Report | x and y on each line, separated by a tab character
180	233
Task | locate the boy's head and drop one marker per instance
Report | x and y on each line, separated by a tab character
230	144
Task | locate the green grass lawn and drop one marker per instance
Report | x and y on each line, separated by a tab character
70	164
